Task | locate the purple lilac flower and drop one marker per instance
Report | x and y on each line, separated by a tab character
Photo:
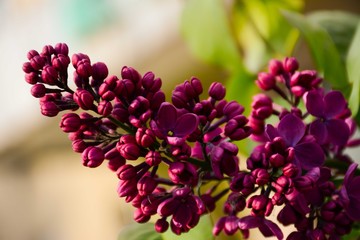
308	154
172	126
327	128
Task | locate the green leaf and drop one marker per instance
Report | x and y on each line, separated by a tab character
339	25
203	231
325	54
139	232
206	28
353	70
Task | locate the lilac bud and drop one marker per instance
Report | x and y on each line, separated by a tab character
196	85
92	157
60	62
266	81
49	75
76	58
27	68
32	78
184	173
217	91
232	109
47	50
161	225
99	71
235	203
115	159
62	48
261	176
78	145
145	137
70	122
153	158
179	99
277	160
49	109
291	64
38	90
128	147
127	188
83	68
235	128
275	67
140	217
131	74
84	99
105	108
150	83
282	184
290	170
31	54
126	172
262	106
37	62
261	205
146	185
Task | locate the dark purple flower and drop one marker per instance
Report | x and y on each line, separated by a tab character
350	193
266	227
92	157
173	127
228	223
308	154
70	122
183	173
328	128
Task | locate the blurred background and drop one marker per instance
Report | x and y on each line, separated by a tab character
45	192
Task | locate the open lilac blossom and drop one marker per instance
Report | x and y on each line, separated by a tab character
350	193
327	128
125	121
308	154
172	126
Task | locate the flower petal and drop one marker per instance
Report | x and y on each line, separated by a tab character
318	130
335	103
274	228
314	103
309	155
292	129
249	222
186	124
338	131
271	132
182	216
349	175
166	117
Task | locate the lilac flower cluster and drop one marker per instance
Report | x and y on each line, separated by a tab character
126	121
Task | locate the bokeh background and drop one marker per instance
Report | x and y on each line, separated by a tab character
45	192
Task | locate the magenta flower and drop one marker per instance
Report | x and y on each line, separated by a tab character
308	154
266	227
350	193
327	127
172	126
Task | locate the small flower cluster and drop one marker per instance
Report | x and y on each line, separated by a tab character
127	122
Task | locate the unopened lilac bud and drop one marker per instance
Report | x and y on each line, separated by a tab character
84	99
291	64
131	74
146	185
49	75
37	62
275	67
49	109
145	137
266	81
70	122
235	128
126	172
104	108
161	225
277	160
127	188
99	71
60	62
31	54
261	176
282	184
92	157
232	109
262	106
261	205
153	158
290	170
38	90
184	173
47	50
196	85
32	78
27	68
150	83
140	217
76	58
217	91
128	147
83	68
62	48
78	145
